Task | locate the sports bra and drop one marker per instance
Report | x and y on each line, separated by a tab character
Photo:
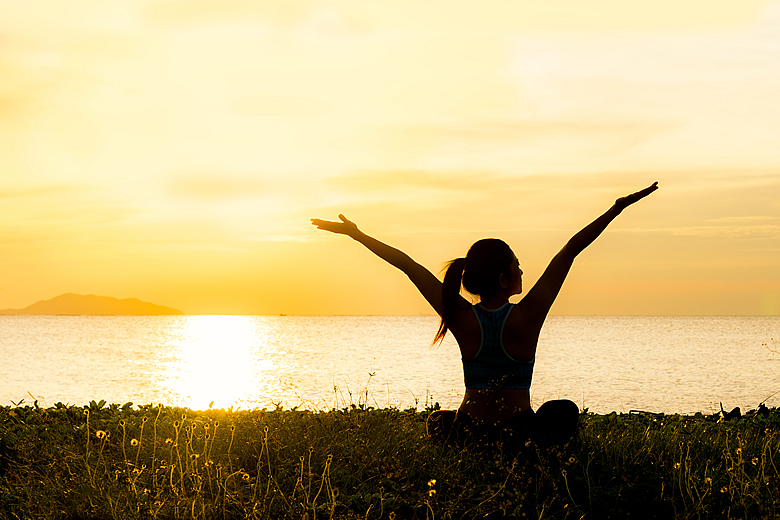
493	367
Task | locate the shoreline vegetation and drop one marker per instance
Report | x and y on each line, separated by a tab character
155	461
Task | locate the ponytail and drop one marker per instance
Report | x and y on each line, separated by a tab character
450	291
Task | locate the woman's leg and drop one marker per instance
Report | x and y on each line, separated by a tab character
555	422
440	425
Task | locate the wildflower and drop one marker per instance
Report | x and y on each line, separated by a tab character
708	481
432	482
724	489
431	492
754	461
136	471
572	459
134	442
168	440
676	465
100	434
739	451
194	456
245	476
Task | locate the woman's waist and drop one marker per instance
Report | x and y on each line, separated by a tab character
493	405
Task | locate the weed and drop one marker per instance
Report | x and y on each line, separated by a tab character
361	462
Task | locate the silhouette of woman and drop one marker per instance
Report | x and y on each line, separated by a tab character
497	339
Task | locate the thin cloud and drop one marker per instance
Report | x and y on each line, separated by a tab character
752	231
514	130
736	220
42	191
216	187
765	230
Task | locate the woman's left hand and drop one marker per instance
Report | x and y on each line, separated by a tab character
345	227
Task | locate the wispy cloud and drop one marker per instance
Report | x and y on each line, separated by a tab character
216	187
758	230
40	191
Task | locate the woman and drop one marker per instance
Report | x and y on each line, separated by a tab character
497	339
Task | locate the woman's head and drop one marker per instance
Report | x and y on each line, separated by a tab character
486	261
490	266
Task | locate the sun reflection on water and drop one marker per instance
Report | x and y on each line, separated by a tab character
227	360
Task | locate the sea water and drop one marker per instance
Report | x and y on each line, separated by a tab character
671	364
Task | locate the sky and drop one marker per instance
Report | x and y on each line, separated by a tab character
175	150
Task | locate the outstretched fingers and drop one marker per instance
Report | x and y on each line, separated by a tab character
626	201
345	227
647	191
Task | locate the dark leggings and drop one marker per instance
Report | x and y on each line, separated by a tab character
553	424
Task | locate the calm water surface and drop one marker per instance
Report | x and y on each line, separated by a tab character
663	364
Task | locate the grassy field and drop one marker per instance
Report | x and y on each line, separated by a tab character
110	461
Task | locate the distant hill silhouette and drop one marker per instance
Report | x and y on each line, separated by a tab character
77	304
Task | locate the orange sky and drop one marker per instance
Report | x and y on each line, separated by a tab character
173	151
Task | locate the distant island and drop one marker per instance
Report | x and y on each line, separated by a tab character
77	304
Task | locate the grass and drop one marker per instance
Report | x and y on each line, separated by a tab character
150	461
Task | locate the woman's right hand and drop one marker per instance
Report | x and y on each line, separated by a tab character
623	202
345	227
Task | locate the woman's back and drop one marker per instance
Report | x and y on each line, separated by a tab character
497	374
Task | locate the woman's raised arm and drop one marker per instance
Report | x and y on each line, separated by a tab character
422	278
540	298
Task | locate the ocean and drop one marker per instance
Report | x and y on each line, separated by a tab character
670	364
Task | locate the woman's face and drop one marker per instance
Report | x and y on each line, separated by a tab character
516	281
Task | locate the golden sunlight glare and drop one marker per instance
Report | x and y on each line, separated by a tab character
220	360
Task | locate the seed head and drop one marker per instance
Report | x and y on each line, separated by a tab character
134	442
100	434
